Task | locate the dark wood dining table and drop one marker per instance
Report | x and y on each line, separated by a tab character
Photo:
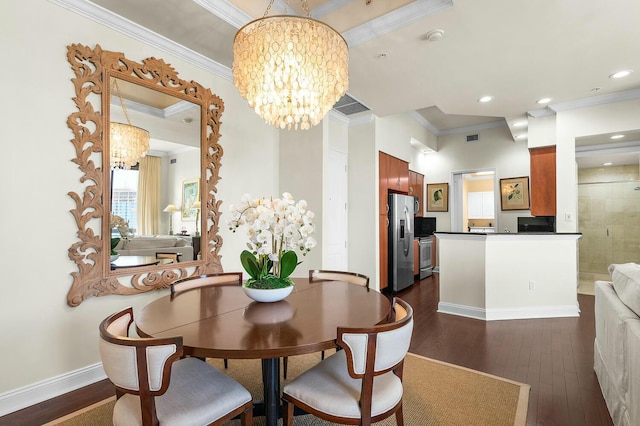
223	322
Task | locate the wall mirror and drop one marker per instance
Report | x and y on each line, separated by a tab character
183	120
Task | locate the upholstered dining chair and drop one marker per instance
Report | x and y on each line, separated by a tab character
360	384
350	277
223	278
326	275
154	386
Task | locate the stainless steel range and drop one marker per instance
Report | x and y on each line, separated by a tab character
426	245
424	229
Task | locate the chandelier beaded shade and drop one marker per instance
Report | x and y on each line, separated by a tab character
127	143
290	69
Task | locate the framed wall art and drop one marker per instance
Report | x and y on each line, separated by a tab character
514	193
190	194
437	197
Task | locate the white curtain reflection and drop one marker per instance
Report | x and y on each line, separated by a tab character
149	196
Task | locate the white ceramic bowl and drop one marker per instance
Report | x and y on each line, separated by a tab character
268	295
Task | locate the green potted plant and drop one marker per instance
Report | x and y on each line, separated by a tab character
276	228
114	244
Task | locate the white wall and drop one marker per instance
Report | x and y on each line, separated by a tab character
607	118
42	336
301	175
495	149
363	202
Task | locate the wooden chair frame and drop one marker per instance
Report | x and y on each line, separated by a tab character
209	280
348	276
403	316
146	395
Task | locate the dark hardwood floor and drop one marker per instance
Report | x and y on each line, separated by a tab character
554	356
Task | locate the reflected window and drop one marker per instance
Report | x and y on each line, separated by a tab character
124	196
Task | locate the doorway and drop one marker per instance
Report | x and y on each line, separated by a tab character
473	201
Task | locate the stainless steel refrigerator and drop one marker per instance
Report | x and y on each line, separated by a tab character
400	241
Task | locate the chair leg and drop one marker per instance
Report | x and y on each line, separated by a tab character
322	356
287	413
226	363
285	363
246	418
399	416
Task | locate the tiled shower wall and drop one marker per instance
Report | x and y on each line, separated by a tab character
608	218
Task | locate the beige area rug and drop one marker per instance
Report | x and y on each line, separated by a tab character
436	393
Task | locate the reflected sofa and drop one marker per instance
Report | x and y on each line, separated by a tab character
617	342
149	246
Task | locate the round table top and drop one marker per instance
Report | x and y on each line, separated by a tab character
222	322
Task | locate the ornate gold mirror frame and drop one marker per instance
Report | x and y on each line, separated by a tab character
93	69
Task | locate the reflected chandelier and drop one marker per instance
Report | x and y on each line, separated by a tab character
127	143
291	69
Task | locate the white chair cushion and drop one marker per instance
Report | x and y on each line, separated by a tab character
328	387
198	394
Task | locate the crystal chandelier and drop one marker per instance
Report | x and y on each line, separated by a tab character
127	143
290	69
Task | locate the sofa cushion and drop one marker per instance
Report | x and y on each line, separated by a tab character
146	243
626	283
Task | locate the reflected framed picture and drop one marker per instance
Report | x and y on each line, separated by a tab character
514	193
437	197
190	194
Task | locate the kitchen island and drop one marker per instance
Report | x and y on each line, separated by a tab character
495	276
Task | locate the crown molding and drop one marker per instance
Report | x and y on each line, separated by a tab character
398	18
137	32
596	100
424	122
338	116
226	11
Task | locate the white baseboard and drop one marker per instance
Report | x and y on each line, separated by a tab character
462	310
27	396
533	312
509	313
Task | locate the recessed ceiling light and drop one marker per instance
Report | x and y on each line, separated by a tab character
607	164
620	74
544	100
617	137
521	123
382	55
485	99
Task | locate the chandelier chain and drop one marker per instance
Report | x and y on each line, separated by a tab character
305	8
124	108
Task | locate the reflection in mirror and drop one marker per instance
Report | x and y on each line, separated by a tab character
183	120
139	194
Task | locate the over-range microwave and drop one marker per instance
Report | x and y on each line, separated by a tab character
424	226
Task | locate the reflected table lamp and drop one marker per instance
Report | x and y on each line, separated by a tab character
197	205
171	209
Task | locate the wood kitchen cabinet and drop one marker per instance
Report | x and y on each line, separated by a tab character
398	174
416	189
543	181
393	176
384	251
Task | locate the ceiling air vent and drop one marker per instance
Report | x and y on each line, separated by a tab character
472	138
347	106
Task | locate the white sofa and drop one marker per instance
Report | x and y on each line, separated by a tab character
149	246
617	342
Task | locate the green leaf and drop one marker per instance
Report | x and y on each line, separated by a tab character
288	263
250	264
